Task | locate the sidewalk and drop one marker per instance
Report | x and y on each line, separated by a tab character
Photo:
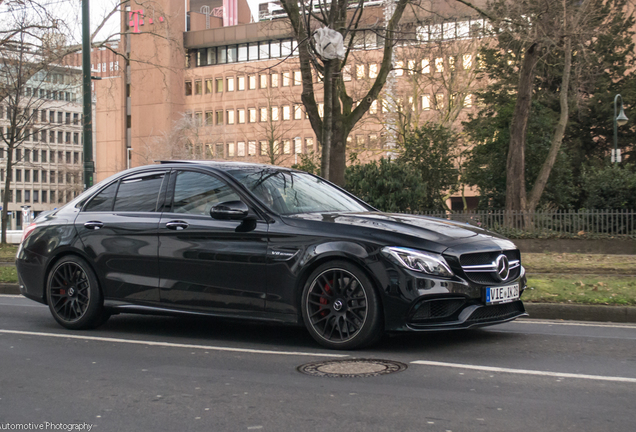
553	311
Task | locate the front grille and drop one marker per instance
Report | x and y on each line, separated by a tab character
486	258
435	309
497	312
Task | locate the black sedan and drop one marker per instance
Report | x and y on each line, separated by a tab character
263	243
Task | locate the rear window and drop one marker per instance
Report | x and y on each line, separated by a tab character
139	194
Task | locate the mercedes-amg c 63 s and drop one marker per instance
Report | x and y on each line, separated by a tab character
263	243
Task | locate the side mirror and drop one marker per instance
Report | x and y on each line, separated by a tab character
230	210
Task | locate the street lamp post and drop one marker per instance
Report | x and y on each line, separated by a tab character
619	120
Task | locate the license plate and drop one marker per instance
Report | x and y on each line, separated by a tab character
503	294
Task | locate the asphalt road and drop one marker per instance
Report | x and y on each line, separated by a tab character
142	373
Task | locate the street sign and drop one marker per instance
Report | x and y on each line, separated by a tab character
616	155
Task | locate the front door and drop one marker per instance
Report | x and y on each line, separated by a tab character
208	264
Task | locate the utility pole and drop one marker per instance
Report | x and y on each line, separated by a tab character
87	97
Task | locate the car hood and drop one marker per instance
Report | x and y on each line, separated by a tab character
443	232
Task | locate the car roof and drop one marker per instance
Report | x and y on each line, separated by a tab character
225	165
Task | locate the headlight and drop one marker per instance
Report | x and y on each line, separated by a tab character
420	261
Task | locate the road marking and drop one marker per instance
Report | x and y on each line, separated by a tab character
574	323
12	296
168	344
24	305
524	371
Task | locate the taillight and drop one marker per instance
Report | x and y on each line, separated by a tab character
27	231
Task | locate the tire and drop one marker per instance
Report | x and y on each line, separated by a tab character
341	308
73	295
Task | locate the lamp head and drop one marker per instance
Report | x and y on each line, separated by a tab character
622	119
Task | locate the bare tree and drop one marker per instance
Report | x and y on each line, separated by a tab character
340	113
185	140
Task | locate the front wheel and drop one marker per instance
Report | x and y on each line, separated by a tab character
340	307
73	294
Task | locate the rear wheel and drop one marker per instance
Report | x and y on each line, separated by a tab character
340	307
73	294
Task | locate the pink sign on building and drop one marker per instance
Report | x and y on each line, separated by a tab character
230	13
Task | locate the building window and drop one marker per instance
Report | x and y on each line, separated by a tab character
373	141
360	71
219	85
439	101
251	82
297	78
52	177
209	86
240	148
68	118
209	118
51	137
275	114
229	116
60	137
241	116
263	116
27	155
18	196
251	115
468	101
44	196
286	112
230	150
68	138
321	110
263	145
373	70
240	83
18	175
27	196
439	64
75	138
27	175
309	144
36	155
373	109
263	81
36	176
52	195
188	88
286	147
75	119
467	61
298	145
43	136
198	119
346	73
43	154
426	102
251	148
286	78
68	158
230	84
198	87
60	114
219	117
298	112
399	68
274	80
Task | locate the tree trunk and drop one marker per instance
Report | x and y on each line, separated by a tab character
5	195
515	167
557	138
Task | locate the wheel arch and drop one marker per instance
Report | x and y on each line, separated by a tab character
64	253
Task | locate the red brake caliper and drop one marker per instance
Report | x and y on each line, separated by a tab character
324	301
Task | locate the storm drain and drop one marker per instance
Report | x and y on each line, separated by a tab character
351	368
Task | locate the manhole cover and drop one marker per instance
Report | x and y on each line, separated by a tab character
351	368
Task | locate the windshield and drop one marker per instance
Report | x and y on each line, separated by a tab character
288	192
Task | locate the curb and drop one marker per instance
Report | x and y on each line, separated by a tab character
7	288
558	311
551	311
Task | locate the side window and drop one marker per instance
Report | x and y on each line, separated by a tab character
196	193
103	201
139	193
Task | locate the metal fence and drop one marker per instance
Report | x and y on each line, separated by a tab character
561	223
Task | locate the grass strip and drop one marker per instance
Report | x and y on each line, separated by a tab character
581	289
8	275
579	263
8	252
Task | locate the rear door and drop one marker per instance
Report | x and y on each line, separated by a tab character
118	228
208	264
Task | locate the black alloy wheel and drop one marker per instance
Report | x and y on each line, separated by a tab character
73	295
340	307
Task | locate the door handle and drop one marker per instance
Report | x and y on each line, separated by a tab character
94	225
177	225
